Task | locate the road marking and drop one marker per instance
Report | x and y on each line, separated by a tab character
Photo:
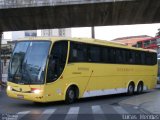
97	109
73	110
22	114
72	113
47	113
98	113
120	110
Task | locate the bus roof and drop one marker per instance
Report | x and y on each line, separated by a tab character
86	40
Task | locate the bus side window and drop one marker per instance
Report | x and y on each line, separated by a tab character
143	60
137	56
154	58
129	57
120	56
104	55
57	60
112	55
151	58
94	54
127	60
148	58
78	52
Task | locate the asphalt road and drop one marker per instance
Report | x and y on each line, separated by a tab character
96	108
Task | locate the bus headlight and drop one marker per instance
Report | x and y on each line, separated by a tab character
9	88
36	90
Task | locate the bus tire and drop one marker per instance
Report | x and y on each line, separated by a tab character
131	87
70	95
140	88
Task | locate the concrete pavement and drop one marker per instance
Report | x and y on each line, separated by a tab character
149	101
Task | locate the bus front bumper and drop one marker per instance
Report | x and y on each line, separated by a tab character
35	97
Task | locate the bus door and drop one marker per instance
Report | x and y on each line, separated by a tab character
56	64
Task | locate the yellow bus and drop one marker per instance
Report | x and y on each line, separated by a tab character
53	69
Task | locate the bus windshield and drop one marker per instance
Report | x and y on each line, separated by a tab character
28	62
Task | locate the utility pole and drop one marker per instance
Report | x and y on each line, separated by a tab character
93	32
1	33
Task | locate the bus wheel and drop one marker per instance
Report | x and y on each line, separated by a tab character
140	88
130	89
70	95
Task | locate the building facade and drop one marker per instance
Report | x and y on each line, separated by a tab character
65	32
21	34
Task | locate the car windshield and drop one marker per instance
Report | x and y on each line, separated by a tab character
28	62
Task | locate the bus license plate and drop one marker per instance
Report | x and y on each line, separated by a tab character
20	96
